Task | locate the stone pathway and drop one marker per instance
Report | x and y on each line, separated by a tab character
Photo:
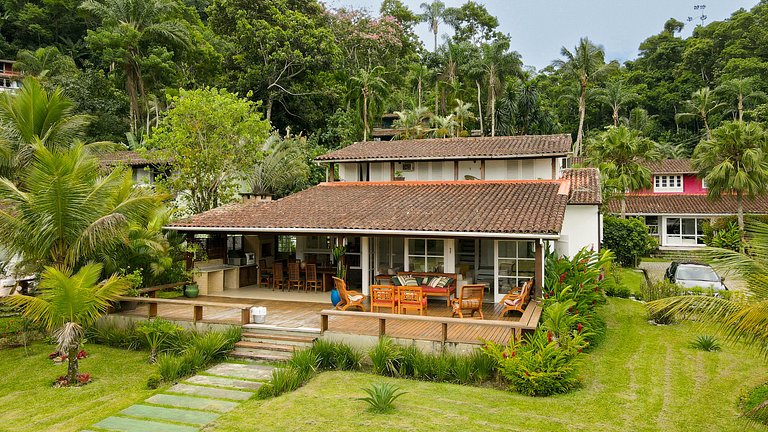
193	403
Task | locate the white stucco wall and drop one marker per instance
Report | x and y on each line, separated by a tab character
581	228
379	171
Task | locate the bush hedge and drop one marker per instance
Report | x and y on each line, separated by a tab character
627	238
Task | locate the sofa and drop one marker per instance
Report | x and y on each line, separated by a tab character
445	287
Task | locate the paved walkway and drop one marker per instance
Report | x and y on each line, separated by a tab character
189	405
656	270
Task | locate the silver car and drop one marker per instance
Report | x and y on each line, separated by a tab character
692	275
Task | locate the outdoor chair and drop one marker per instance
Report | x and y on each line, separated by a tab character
516	301
278	278
383	296
265	274
349	298
411	298
471	299
311	278
7	287
294	276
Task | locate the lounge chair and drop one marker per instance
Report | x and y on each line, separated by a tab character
471	299
349	298
516	301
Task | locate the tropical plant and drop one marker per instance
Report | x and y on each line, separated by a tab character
432	14
497	62
68	303
627	238
338	257
615	95
619	152
734	161
370	87
742	92
156	332
284	168
701	105
44	62
65	212
411	122
462	112
706	343
283	380
443	127
584	63
385	357
381	397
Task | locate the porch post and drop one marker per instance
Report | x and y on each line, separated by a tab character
365	263
539	256
449	255
330	173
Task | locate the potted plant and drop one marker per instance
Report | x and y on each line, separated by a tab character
191	290
399	176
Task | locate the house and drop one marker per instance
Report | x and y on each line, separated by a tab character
484	208
10	80
677	205
143	171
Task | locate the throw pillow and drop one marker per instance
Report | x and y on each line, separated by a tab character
434	281
396	280
402	279
411	281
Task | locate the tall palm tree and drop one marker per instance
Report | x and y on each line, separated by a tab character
65	213
443	127
283	169
411	122
615	94
68	303
419	73
133	23
640	120
370	85
700	106
497	62
584	63
734	161
462	113
432	14
619	152
34	116
741	91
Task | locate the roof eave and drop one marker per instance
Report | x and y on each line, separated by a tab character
432	158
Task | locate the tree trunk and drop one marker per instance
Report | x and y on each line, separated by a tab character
623	207
706	128
741	107
479	108
493	111
365	116
418	86
582	113
437	95
616	116
435	33
269	108
72	368
740	213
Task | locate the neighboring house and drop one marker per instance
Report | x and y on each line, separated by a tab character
484	208
10	80
677	206
143	170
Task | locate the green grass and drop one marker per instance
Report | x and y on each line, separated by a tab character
631	279
29	403
642	378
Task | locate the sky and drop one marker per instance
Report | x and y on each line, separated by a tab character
539	28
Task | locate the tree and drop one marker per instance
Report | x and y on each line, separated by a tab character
44	62
214	139
471	22
127	29
734	161
443	127
284	168
615	94
701	105
432	14
584	63
69	303
619	152
65	213
34	116
369	86
740	90
462	113
411	122
497	63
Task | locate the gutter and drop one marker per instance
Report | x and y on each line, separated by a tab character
329	231
432	158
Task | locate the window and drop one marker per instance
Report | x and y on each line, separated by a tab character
407	166
668	183
704	184
425	255
516	263
286	244
685	231
652	222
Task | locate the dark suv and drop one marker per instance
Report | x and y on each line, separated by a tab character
690	275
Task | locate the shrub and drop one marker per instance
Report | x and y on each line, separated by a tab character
156	331
483	365
305	362
659	290
706	343
381	397
385	357
627	238
326	353
154	381
170	367
283	380
336	355
108	333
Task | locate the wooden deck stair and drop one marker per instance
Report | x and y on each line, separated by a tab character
272	344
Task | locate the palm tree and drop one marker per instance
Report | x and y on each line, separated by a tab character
640	120
411	122
734	161
34	116
462	113
584	63
283	169
68	304
496	63
419	73
432	14
619	152
615	94
42	62
65	212
740	90
370	85
701	105
443	127
133	23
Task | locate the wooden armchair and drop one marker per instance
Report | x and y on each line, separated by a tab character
311	278
471	299
516	301
349	298
410	297
278	277
294	276
383	296
265	274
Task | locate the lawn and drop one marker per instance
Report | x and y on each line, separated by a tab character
642	378
631	279
29	403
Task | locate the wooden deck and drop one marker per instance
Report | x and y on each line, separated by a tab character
290	314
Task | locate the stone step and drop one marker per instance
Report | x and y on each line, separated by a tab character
170	414
115	423
243	371
224	382
281	331
210	392
258	355
262	346
204	404
276	338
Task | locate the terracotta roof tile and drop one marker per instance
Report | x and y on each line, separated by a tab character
671	166
687	204
454	148
503	207
126	157
585	185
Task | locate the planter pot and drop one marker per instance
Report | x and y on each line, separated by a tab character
191	291
335	297
399	178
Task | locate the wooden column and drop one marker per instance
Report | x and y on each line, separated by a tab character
456	170
392	171
482	169
382	327
539	278
331	173
554	168
198	313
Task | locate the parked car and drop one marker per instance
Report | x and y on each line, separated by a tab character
691	275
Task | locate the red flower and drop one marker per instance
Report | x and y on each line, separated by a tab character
579	350
579	327
83	378
513	354
597	289
53	355
527	374
82	354
570	309
504	354
562	277
549	336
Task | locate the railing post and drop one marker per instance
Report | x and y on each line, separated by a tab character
152	310
245	318
382	327
198	313
323	323
445	332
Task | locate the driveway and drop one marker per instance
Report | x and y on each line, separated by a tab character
656	270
